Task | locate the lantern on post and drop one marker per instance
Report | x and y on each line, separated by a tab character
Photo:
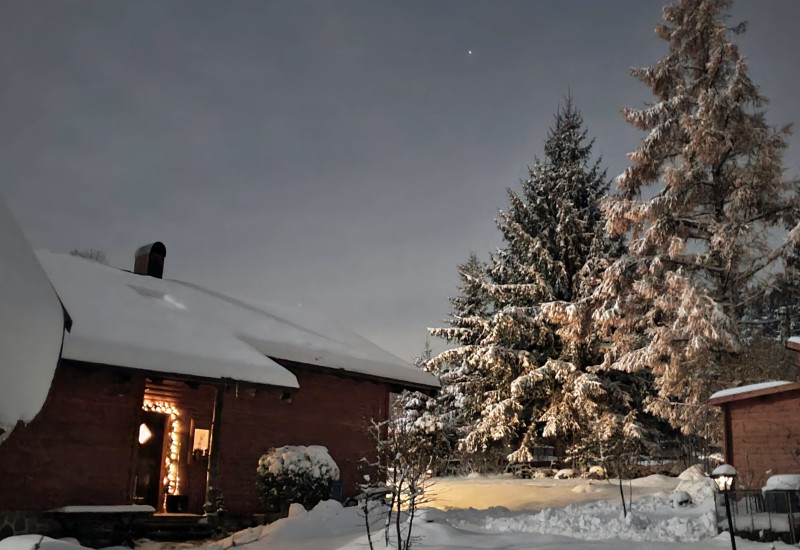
723	475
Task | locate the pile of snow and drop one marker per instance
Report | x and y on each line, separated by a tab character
696	483
692	473
597	520
31	328
326	521
783	482
681	498
292	459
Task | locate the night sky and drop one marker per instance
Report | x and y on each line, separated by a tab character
343	157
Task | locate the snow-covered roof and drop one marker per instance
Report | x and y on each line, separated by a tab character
137	321
749	388
753	390
724	470
31	327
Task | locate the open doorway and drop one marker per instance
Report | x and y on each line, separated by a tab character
149	459
172	456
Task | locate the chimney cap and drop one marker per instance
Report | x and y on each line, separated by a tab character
149	259
152	248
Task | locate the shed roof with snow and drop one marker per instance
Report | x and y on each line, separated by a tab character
751	391
137	321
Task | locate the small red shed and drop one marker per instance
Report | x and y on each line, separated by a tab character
761	430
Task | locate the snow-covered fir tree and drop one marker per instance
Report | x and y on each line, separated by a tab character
458	402
532	380
702	201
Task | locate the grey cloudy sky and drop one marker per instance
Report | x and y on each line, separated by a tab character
342	155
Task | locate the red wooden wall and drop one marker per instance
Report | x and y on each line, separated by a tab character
78	450
763	434
328	410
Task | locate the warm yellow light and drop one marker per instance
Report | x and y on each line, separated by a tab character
171	480
144	434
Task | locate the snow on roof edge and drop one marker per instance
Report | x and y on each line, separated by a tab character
745	389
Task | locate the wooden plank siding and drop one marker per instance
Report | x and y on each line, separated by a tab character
329	409
762	436
81	448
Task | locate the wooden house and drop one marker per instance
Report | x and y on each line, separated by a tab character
166	393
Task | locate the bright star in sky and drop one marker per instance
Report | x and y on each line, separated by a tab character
469	52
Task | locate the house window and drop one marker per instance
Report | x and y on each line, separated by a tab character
200	441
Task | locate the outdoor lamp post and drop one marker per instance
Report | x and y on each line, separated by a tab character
723	475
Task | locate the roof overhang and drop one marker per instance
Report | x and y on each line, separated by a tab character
793	343
751	394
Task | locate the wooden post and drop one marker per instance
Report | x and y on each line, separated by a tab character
212	476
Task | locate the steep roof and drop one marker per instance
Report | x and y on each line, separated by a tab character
171	326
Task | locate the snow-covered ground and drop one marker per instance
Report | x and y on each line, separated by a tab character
543	514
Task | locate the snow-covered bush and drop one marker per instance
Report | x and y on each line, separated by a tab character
290	474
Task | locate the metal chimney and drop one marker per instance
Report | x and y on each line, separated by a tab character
149	260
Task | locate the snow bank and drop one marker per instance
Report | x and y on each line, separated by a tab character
595	521
696	483
28	542
31	328
325	521
692	473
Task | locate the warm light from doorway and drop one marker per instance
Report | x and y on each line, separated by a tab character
172	479
144	434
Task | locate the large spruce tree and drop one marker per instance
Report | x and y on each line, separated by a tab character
702	202
532	382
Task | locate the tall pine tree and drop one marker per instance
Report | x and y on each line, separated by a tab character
701	201
533	382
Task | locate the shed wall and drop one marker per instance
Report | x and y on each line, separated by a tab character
78	449
763	434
